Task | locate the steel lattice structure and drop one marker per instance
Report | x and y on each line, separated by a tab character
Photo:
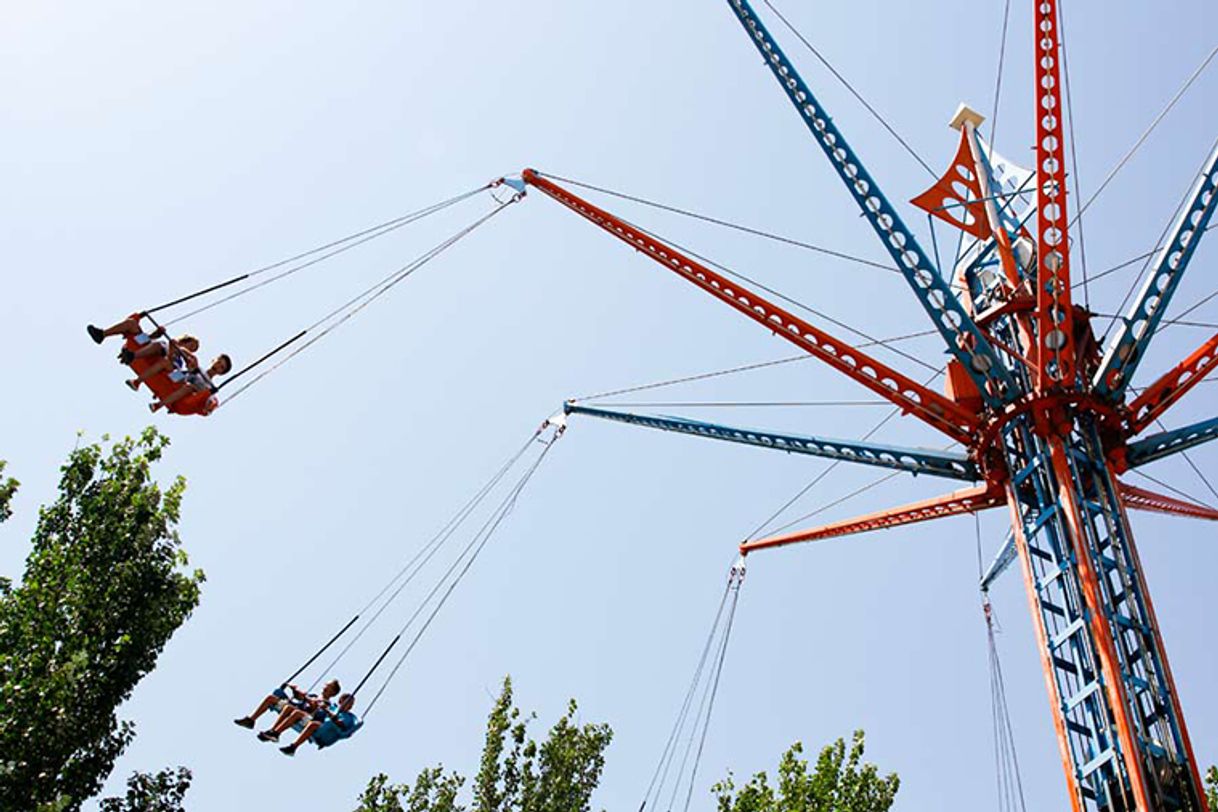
1044	415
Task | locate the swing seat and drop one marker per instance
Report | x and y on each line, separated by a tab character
162	386
338	735
332	734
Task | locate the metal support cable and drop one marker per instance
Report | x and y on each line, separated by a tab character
725	223
1142	139
667	404
702	376
1208	325
713	693
1131	261
340	245
693	727
410	570
1196	470
1172	488
1197	304
1078	195
1002	58
734	370
1008	775
433	545
321	651
779	295
1147	256
261	359
660	774
934	242
469	555
840	500
1188	459
1133	285
828	470
365	298
875	114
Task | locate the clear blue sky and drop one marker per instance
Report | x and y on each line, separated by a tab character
149	149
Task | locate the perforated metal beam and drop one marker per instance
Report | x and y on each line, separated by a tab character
964	340
1160	395
910	396
1141	322
1166	443
1054	357
1005	556
1142	499
969	500
911	460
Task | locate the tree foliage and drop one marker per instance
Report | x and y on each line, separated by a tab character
840	782
433	791
104	589
516	773
159	792
8	487
1211	788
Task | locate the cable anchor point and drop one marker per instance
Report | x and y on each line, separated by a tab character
515	182
558	420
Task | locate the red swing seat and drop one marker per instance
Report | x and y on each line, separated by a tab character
162	386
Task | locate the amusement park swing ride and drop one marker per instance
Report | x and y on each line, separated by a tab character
1046	417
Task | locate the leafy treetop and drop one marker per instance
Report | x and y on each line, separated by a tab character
104	589
161	792
517	774
838	783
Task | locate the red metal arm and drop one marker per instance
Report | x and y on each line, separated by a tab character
969	500
1141	499
1054	313
909	395
1160	395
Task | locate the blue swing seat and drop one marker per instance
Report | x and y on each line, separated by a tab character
327	734
327	738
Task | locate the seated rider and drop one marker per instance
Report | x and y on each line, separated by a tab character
126	328
195	380
295	700
175	354
327	726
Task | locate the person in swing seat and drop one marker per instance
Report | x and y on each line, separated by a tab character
151	344
196	380
127	328
293	699
327	726
176	354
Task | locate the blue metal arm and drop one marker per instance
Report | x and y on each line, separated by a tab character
1164	444
1002	559
1141	322
912	460
964	340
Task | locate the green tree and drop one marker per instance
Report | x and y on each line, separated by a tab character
840	782
161	792
8	487
433	791
104	589
516	774
1211	788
